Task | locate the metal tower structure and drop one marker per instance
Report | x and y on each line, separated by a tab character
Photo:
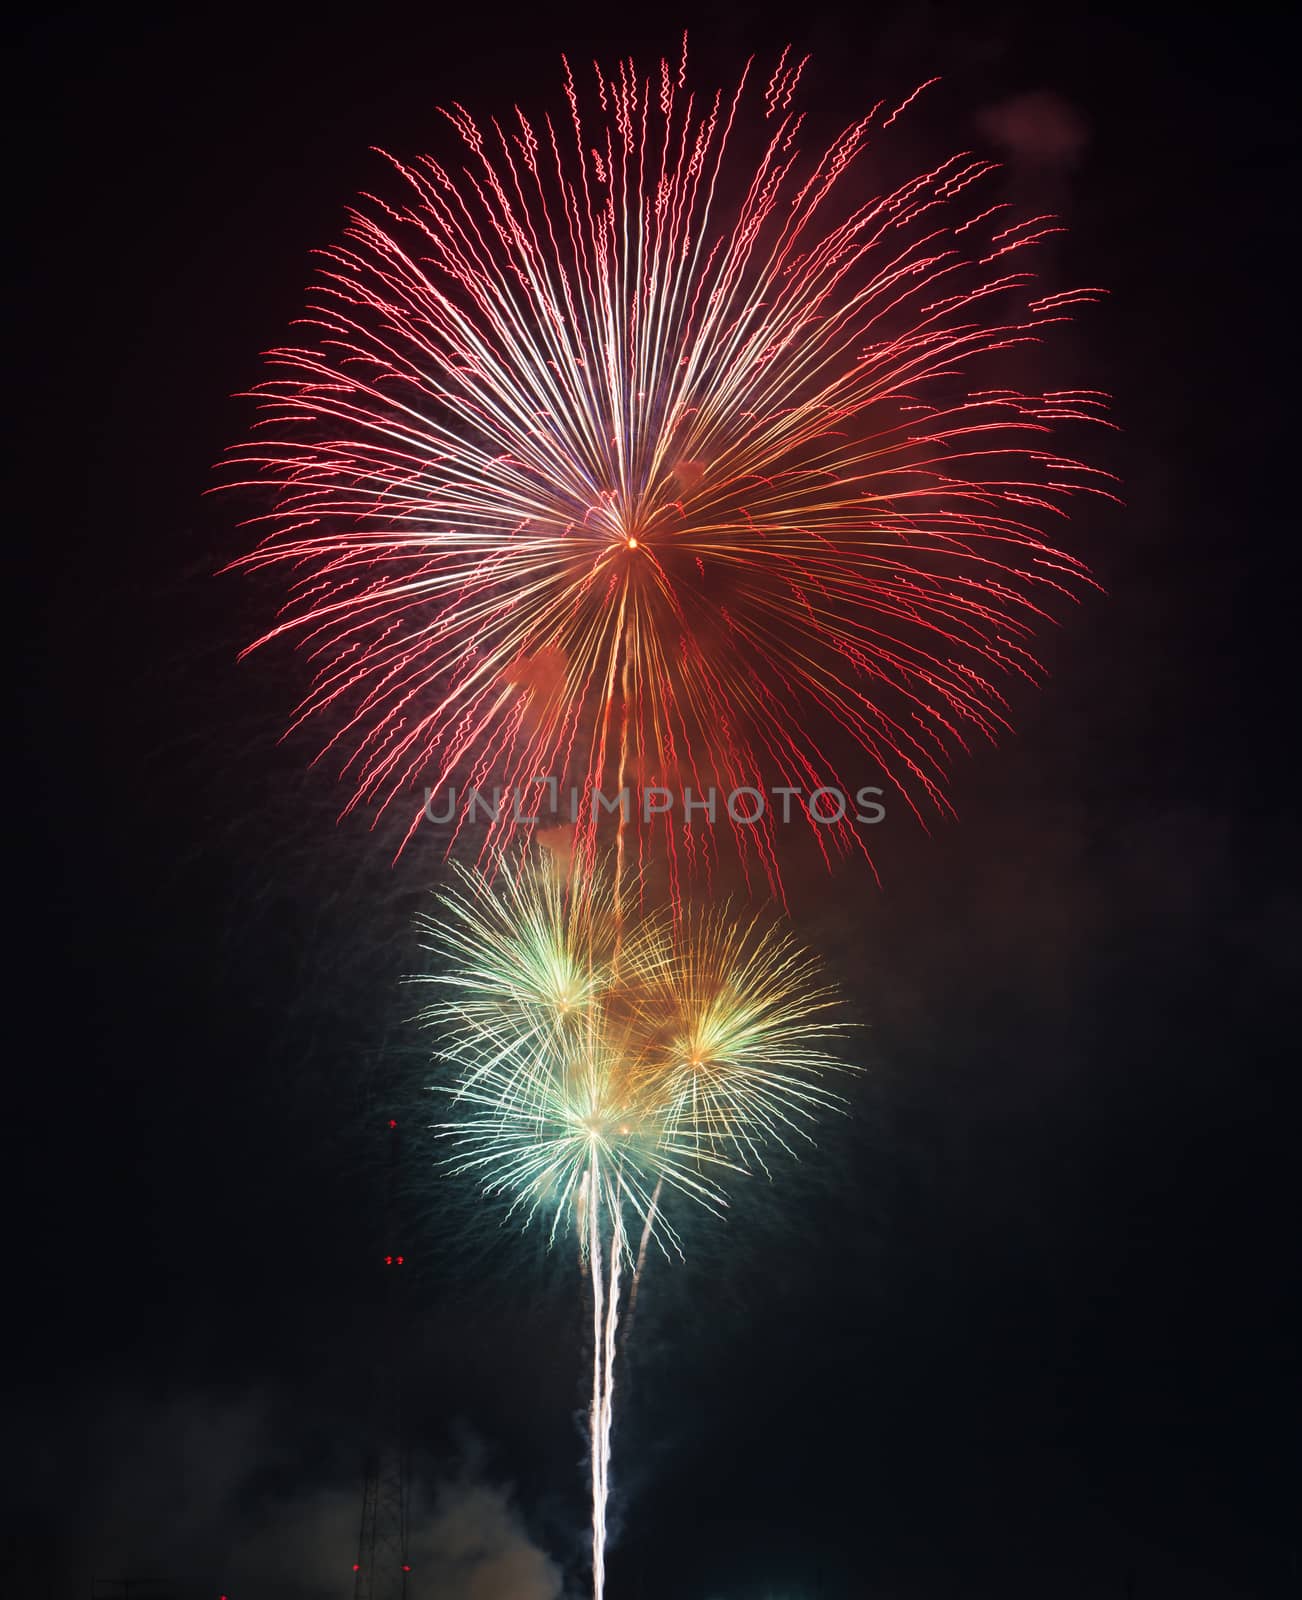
381	1569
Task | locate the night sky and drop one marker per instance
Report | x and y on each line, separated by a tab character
1024	1327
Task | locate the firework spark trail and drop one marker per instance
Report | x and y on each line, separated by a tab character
636	1282
595	1414
634	440
605	1320
608	1417
601	1065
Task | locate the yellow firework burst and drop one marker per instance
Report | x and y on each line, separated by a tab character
589	1053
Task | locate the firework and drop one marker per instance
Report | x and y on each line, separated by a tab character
635	453
632	447
596	1072
671	1054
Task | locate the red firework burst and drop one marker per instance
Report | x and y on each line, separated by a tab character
620	456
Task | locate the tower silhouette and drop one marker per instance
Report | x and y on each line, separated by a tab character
381	1570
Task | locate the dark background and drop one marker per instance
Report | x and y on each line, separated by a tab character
1023	1331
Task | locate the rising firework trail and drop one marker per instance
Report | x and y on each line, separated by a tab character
634	443
598	1068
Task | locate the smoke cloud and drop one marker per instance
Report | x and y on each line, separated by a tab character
466	1542
200	1492
475	1546
1039	129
